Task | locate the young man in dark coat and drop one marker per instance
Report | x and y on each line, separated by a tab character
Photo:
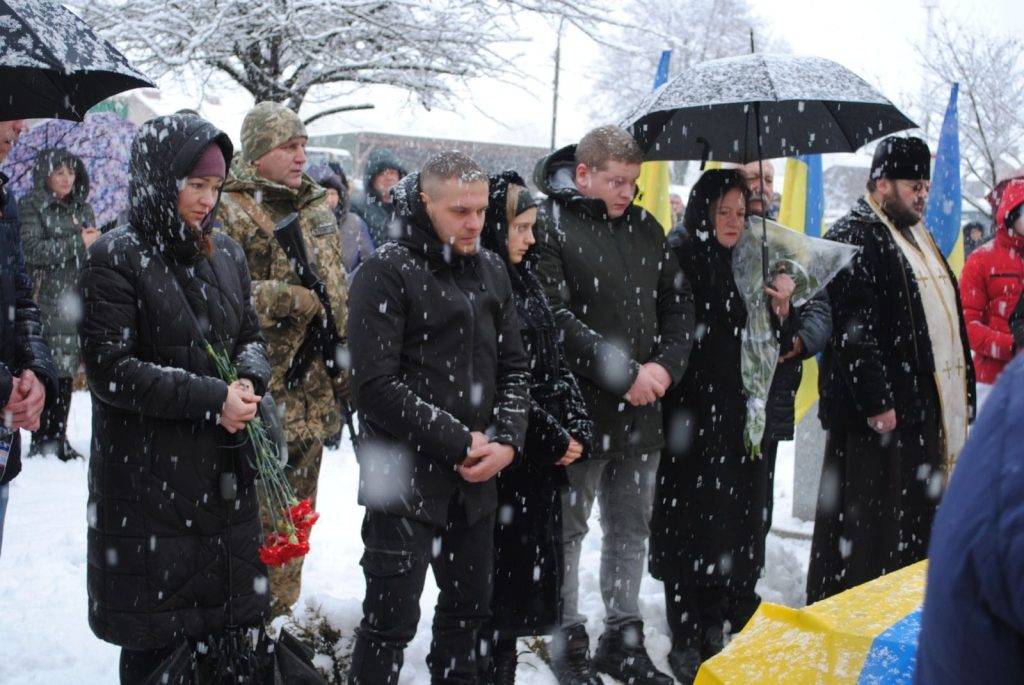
382	172
972	625
813	332
626	316
27	374
897	382
441	382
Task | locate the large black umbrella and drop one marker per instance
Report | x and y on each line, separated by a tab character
52	65
760	106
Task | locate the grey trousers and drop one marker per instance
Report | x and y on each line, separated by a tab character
624	489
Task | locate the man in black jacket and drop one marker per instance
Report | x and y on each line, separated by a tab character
813	322
27	374
440	379
626	316
897	382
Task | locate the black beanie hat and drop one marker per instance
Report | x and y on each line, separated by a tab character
907	159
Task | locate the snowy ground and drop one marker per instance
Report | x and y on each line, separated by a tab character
46	637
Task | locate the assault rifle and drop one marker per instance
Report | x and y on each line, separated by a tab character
322	337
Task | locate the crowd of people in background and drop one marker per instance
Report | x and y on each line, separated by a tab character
512	358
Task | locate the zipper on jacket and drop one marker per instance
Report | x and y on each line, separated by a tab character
472	339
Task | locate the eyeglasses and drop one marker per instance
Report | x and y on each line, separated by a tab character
917	187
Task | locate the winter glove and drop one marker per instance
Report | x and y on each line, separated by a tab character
341	387
305	303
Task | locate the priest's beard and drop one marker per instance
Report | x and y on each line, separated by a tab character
899	212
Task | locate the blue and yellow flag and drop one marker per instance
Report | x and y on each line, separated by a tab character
654	177
942	215
803	210
862	636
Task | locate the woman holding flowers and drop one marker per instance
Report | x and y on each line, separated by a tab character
174	528
711	491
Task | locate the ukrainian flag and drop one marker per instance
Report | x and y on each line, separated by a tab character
942	215
803	209
866	635
654	177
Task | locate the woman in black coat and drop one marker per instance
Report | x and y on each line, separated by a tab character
174	525
528	533
710	499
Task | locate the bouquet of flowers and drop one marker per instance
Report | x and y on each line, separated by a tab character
811	263
292	519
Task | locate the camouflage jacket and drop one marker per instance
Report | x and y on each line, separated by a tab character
249	208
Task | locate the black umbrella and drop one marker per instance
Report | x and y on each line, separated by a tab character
52	65
725	109
760	106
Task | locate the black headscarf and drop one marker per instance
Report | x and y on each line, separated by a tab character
164	151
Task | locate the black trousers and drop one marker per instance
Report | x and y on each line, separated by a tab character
53	424
876	505
398	552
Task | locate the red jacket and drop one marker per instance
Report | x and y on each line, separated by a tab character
990	286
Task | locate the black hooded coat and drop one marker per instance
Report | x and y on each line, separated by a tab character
51	235
375	211
168	556
436	355
528	533
710	499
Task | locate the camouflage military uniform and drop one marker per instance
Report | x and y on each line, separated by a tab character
250	206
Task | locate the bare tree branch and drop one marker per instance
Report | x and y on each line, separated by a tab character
988	66
336	110
284	50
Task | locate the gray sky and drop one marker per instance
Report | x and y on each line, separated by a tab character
874	38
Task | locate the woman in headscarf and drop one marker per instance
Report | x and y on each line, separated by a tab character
710	500
174	526
528	533
57	226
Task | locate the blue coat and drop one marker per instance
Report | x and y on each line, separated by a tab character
972	628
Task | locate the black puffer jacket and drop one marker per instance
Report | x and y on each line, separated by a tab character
436	354
620	299
168	555
21	336
528	536
880	355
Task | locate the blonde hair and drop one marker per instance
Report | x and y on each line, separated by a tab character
514	191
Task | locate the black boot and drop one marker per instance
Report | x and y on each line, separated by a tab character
503	664
571	660
622	655
712	641
684	662
67	452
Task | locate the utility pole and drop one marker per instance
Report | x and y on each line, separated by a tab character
929	7
554	99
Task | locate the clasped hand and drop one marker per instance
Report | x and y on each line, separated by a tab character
240	406
484	459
